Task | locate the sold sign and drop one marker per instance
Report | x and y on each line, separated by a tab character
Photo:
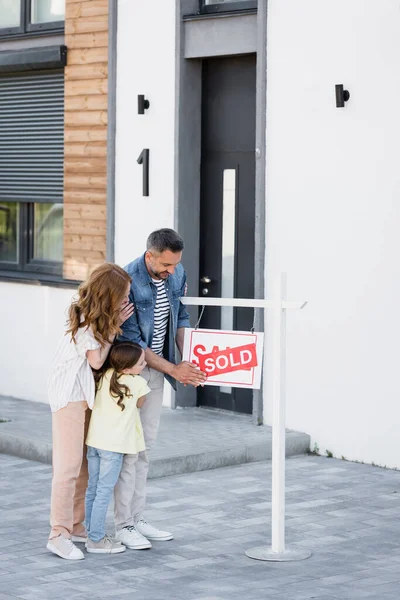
229	360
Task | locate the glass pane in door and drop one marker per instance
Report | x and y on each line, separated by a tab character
228	250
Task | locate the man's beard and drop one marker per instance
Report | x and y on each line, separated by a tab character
156	275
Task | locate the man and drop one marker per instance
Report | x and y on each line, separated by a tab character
157	324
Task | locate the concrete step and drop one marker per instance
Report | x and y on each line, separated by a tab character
191	439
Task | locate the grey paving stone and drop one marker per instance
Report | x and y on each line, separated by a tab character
356	550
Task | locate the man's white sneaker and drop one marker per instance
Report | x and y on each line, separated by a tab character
151	533
131	538
64	547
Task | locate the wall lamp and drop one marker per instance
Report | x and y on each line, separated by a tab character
342	95
143	104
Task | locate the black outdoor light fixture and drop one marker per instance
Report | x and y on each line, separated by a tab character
143	104
342	95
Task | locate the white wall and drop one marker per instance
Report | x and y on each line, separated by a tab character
333	218
145	65
32	322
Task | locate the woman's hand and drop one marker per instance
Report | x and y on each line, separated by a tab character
126	312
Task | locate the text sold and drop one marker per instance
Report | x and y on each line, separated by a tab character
229	360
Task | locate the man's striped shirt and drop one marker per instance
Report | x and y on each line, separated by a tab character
161	316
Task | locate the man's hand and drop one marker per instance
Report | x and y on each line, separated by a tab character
188	373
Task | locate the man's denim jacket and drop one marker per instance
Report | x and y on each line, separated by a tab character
140	327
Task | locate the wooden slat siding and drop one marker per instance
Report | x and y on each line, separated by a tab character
75	240
77	25
85	140
86	227
86	103
86	118
84	182
82	212
84	165
93	8
87	56
85	72
95	134
84	149
88	40
86	88
91	197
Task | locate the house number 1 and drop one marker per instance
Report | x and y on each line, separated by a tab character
143	159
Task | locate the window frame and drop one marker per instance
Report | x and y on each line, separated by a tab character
243	5
26	28
26	264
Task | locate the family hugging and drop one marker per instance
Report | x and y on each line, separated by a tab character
106	392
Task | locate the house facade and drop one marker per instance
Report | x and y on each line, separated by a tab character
224	121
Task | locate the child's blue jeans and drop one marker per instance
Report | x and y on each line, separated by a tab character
104	469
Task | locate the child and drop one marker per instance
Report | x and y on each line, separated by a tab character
94	320
115	430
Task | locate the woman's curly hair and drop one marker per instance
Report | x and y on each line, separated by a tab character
99	303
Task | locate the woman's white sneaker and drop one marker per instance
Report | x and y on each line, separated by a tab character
64	548
132	539
151	533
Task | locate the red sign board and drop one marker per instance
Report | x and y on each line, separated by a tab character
227	361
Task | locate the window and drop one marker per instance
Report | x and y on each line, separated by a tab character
25	16
216	6
31	237
31	173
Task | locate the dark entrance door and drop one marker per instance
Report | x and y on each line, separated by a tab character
228	204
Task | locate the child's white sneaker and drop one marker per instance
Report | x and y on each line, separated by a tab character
132	539
107	545
64	548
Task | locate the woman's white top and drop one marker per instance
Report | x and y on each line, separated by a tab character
71	378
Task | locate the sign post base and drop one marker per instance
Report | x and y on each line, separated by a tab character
291	553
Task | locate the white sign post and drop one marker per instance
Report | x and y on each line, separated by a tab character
277	551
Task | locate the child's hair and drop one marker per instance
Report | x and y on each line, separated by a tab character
99	301
122	355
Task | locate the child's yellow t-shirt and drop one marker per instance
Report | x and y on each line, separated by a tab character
114	429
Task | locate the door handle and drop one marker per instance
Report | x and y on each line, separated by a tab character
205	279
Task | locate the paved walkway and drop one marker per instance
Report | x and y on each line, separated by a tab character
189	439
347	514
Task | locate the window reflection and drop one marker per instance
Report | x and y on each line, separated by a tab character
47	11
48	232
9	232
10	13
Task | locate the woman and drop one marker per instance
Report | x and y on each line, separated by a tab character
95	318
